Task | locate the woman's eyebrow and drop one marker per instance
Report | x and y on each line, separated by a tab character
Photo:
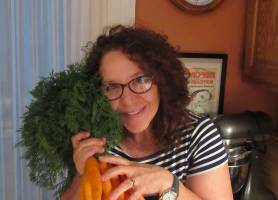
137	74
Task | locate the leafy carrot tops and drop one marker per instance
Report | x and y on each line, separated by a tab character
63	104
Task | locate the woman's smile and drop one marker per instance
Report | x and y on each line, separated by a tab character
134	113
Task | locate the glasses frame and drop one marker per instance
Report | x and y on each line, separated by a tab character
128	85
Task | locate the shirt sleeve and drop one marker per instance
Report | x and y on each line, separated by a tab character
206	150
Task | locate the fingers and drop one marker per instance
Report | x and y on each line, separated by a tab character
116	171
98	143
114	160
142	179
123	167
136	195
127	187
81	156
75	140
84	147
79	138
123	187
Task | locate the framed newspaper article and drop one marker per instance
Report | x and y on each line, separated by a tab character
206	81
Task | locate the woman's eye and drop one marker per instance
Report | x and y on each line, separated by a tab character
111	87
140	79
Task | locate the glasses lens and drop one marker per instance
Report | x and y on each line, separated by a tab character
141	84
112	91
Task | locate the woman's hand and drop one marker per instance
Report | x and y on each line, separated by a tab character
84	147
143	179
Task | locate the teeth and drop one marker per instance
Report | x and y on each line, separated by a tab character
134	113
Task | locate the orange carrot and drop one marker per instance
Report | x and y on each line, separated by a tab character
91	181
92	188
106	185
87	189
81	191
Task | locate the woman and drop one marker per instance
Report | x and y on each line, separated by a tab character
167	152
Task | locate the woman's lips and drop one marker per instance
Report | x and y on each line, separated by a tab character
134	113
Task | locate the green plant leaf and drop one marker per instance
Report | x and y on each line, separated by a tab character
63	104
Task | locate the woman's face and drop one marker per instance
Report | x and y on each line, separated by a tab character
136	110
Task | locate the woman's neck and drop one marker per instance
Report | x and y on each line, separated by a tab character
140	145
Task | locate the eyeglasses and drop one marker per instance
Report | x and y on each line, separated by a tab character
138	85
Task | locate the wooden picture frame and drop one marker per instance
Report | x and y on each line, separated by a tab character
206	82
261	43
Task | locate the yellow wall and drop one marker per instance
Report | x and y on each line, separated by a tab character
218	31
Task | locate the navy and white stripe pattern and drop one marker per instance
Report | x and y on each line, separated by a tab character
199	150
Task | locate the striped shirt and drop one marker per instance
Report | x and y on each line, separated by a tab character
199	150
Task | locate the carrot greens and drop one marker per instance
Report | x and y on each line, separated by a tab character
63	104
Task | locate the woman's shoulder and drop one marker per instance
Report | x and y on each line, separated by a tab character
196	119
206	149
198	130
199	126
195	123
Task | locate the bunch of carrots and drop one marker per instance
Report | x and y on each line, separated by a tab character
92	188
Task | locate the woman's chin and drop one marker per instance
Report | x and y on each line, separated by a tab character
135	128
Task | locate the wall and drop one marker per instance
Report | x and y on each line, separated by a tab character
219	31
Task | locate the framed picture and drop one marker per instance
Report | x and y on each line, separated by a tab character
206	81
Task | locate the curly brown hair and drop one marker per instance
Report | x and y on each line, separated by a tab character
156	57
